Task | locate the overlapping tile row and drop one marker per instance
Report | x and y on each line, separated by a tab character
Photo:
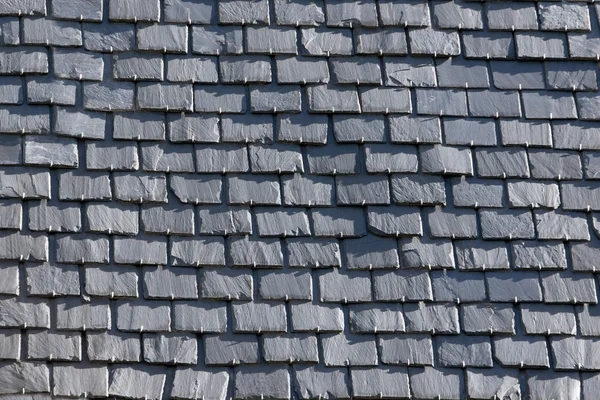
299	199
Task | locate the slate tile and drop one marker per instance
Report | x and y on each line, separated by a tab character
140	250
113	347
402	285
566	287
529	254
539	320
10	273
576	136
170	283
259	317
489	45
190	12
46	91
576	196
554	17
433	42
266	381
507	288
338	286
459	73
446	160
19	246
48	280
290	349
376	318
591	165
410	72
587	319
137	383
302	70
489	383
541	45
245	69
165	97
231	99
108	37
83	11
581	254
11	214
512	16
12	90
301	128
224	220
456	351
457	15
366	71
390	382
385	100
326	42
542	385
168	220
120	219
388	41
555	165
194	70
143	316
442	102
313	253
299	12
253	190
24	314
207	251
549	105
31	376
358	129
49	32
589	384
200	316
502	163
165	38
134	10
88	125
10	344
293	285
559	225
139	126
75	314
404	14
349	350
316	317
271	40
453	224
494	104
426	253
244	12
371	252
354	190
300	190
77	380
328	99
406	349
111	156
430	382
111	281
506	224
282	222
315	381
50	151
229	284
275	99
9	31
216	40
70	64
488	318
197	189
480	255
193	128
167	157
394	221
146	188
435	318
108	96
170	349
275	158
340	13
565	76
247	129
25	119
412	129
574	353
58	346
263	253
341	159
458	286
525	133
513	75
190	383
81	248
35	7
135	66
521	352
476	193
11	150
15	60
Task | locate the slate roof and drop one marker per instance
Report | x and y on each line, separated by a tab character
307	199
